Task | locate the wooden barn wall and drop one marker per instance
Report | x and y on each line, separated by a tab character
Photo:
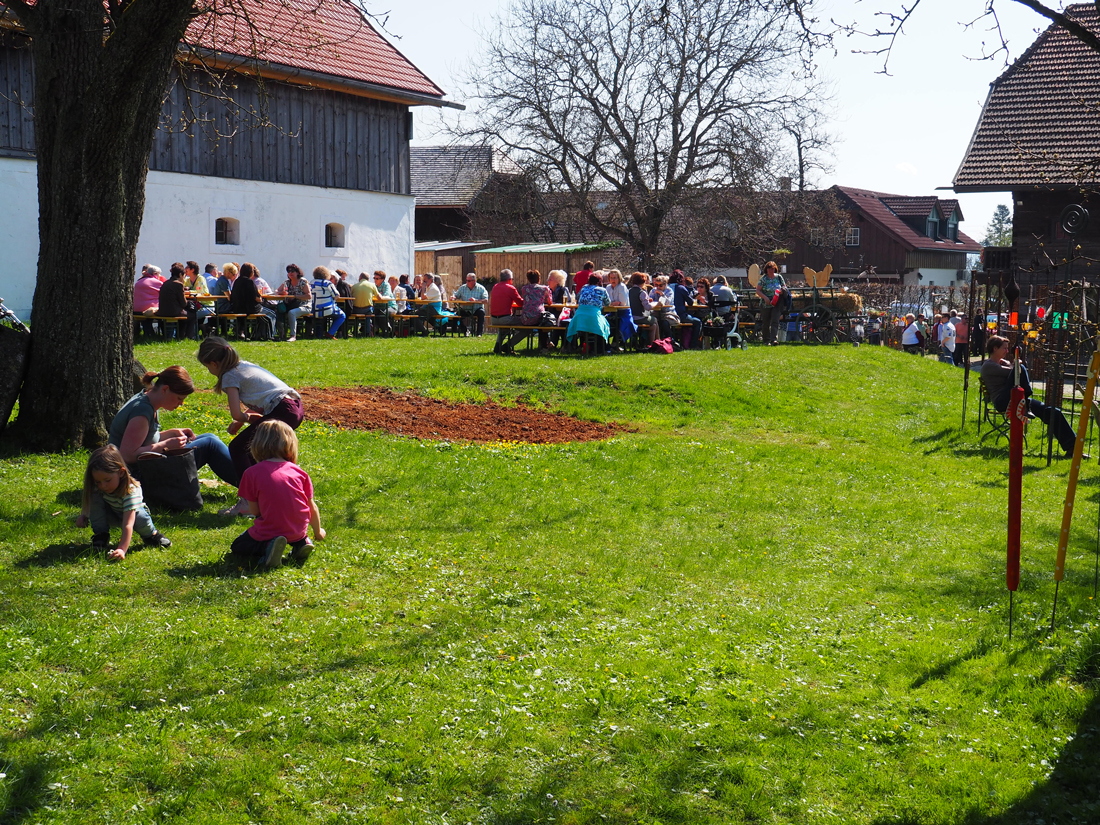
425	262
932	259
1037	236
876	248
276	132
16	96
452	265
489	265
245	129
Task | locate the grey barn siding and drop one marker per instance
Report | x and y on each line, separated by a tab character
235	126
16	97
271	131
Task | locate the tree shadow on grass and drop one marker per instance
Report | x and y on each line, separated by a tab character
26	788
67	553
72	498
1070	794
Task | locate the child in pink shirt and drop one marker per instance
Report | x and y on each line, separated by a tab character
279	494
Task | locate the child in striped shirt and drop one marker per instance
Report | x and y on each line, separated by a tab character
113	498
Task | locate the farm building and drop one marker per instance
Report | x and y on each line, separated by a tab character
1037	138
914	240
290	142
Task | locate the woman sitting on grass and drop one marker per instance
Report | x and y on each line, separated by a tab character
253	395
135	428
279	494
113	499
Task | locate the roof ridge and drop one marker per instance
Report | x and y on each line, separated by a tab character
1046	34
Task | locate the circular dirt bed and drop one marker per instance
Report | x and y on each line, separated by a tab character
408	414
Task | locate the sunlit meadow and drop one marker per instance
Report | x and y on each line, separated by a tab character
780	598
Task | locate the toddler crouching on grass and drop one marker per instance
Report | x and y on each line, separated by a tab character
113	498
279	494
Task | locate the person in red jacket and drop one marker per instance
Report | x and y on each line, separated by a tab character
580	280
502	300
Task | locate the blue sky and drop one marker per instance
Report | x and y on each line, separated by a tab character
905	133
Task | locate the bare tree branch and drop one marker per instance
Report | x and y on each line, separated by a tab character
641	106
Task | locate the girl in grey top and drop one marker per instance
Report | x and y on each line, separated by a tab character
253	395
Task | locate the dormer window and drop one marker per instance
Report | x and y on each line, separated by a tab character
953	228
932	227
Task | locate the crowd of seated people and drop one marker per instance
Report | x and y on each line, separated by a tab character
615	308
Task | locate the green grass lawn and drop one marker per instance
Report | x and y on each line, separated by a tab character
780	599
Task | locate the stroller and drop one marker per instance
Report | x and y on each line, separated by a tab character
726	326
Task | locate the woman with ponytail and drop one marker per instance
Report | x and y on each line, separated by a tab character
253	395
135	429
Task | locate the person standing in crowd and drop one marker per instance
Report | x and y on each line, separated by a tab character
962	340
502	300
977	335
923	325
472	291
947	339
773	306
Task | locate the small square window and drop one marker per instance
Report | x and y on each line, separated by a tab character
851	237
227	232
334	236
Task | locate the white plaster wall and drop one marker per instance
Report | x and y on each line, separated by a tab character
935	277
279	224
18	234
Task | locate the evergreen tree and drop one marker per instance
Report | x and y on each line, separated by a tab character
999	231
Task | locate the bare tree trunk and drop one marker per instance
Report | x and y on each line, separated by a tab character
98	93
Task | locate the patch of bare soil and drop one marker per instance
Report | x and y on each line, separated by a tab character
414	416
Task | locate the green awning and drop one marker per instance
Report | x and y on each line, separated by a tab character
549	247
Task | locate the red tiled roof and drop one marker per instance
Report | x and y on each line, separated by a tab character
1041	122
328	37
874	207
920	206
331	37
949	205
